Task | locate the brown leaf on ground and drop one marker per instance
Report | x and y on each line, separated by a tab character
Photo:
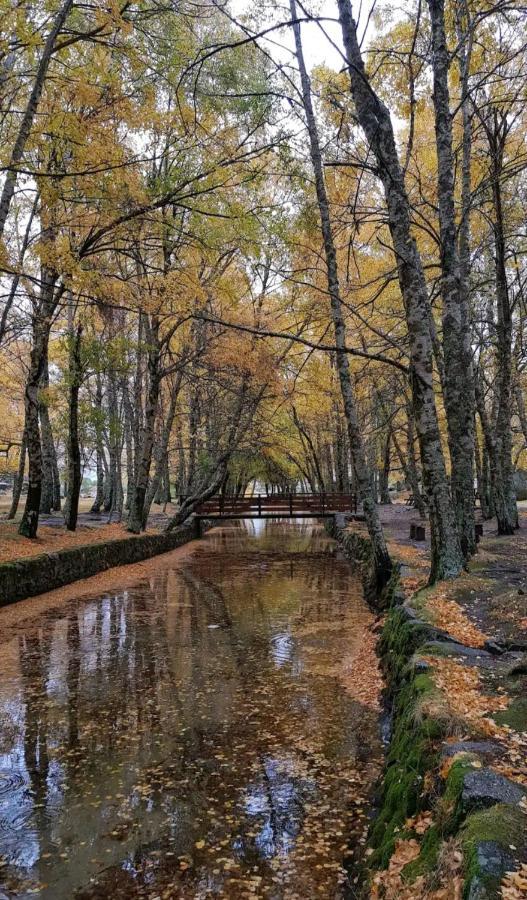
420	823
361	675
514	885
448	881
463	692
450	616
54	537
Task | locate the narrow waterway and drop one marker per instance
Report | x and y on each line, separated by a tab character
211	731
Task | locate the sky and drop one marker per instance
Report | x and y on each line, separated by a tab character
317	48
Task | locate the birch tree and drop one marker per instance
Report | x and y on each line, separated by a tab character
363	477
375	120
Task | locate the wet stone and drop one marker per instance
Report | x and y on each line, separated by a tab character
481	748
420	665
452	648
492	861
485	787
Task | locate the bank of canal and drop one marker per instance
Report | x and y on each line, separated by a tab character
210	731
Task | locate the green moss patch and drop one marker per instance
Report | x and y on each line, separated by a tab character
515	715
501	824
447	817
413	752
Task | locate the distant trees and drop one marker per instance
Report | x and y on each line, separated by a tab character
195	295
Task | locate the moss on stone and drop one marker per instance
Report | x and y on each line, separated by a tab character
427	859
412	753
447	818
515	715
448	807
421	720
33	575
437	649
420	600
502	824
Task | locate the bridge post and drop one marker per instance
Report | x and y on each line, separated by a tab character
290	504
323	497
260	506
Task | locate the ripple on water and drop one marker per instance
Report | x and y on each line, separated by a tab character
10	780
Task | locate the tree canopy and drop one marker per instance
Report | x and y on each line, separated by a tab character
222	265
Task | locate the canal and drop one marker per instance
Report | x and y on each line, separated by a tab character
210	731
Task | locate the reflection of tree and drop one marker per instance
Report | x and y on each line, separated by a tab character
34	654
34	662
72	678
282	819
167	714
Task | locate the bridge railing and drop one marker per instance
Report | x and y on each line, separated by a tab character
283	504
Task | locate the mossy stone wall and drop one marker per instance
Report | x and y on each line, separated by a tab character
420	723
36	574
358	548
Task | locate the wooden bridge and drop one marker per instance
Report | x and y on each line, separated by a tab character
277	506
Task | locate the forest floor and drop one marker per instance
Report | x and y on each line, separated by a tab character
53	535
489	602
480	680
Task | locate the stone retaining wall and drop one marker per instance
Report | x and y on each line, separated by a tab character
472	803
358	549
34	575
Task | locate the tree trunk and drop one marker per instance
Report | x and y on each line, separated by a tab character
114	426
18	480
99	496
137	505
192	439
108	487
74	452
38	361
497	496
383	563
483	492
306	440
160	455
409	465
49	456
30	111
505	499
384	473
129	432
16	278
457	349
374	117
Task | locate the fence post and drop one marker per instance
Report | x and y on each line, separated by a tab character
259	506
290	504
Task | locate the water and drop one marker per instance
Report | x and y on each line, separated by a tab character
196	735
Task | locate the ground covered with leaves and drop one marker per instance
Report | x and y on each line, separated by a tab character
453	817
52	538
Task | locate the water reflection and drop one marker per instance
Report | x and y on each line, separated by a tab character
181	738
